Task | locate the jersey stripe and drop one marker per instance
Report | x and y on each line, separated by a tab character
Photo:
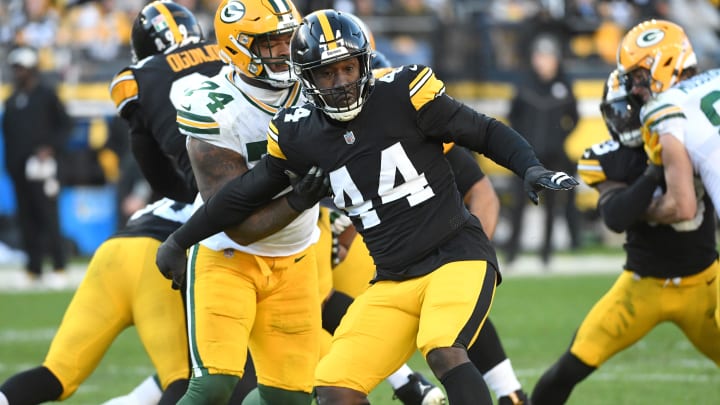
654	124
424	88
447	147
195	117
590	171
665	109
172	25
273	147
191	124
123	89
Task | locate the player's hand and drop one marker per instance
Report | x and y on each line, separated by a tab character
537	177
171	259
309	189
654	171
652	146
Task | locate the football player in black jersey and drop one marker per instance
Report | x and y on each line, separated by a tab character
436	271
121	288
669	274
169	55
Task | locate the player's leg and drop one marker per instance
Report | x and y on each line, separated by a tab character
693	304
159	317
450	320
353	274
488	355
285	340
98	312
347	374
627	312
221	303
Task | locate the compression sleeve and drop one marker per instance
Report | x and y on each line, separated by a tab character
234	202
621	207
452	121
465	168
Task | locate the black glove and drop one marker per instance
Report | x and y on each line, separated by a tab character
654	171
537	177
171	259
309	189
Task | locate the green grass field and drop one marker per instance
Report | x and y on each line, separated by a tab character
536	317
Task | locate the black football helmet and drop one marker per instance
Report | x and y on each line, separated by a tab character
621	111
323	38
162	26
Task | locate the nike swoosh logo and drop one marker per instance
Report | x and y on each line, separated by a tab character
297	259
186	107
711	280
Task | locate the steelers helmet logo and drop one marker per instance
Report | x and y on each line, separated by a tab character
650	38
232	12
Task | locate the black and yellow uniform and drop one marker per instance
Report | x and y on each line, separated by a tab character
670	275
389	174
122	287
141	93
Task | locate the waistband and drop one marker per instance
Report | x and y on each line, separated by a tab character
708	274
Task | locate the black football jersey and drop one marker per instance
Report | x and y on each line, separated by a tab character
156	220
389	174
141	93
652	249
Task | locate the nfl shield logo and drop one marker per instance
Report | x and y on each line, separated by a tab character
349	137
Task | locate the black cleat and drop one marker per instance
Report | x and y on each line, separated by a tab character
420	391
514	398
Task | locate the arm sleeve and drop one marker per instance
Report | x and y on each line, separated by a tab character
621	207
452	121
235	202
159	170
465	168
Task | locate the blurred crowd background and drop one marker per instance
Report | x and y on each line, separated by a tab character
480	48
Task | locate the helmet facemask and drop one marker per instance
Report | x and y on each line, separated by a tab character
263	67
343	102
621	111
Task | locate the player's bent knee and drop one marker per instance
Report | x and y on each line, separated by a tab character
340	395
443	359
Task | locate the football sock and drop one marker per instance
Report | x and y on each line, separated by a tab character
247	383
271	395
148	392
3	400
334	309
501	379
33	386
400	377
556	384
172	393
209	389
487	351
464	385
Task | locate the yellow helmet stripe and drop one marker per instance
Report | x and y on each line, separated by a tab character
172	25
327	31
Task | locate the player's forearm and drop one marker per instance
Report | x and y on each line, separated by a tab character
620	207
263	222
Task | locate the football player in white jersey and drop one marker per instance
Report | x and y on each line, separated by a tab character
262	295
680	119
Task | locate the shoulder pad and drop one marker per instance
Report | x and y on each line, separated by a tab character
590	165
423	85
123	89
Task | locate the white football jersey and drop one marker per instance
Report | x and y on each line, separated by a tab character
229	113
690	111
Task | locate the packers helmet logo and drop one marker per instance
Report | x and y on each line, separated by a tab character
232	12
650	38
